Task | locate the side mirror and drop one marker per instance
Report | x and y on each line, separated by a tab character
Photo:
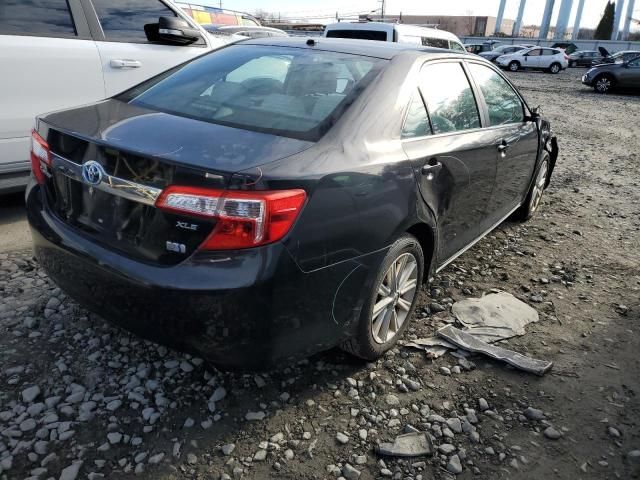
172	31
534	116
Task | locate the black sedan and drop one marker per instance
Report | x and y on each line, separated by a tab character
278	197
604	78
585	58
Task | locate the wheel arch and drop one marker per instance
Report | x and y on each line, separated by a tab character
425	235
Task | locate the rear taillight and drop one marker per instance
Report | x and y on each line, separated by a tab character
40	157
244	219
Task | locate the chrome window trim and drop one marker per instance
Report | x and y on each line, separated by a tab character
120	187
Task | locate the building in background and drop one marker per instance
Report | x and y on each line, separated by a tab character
460	25
218	16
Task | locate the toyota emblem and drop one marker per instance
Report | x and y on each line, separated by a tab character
92	172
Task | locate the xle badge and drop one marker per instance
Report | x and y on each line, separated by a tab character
176	247
187	226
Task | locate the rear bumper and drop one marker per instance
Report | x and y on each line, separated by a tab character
244	309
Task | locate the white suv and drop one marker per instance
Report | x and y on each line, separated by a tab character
550	59
61	53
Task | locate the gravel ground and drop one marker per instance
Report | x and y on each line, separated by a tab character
83	399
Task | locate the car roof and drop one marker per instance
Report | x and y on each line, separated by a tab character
368	48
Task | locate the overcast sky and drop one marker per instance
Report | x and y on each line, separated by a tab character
326	8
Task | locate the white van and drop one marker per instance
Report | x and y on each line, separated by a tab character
61	53
391	32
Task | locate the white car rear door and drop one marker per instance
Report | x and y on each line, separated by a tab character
48	62
127	56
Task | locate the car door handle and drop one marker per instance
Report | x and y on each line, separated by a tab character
430	169
503	146
117	63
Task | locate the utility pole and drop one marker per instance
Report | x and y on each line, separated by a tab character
518	24
563	19
628	19
382	9
498	28
546	19
576	24
616	19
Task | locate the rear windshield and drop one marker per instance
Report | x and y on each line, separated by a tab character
291	92
358	34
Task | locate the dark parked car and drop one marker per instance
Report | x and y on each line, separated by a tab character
622	56
277	197
603	78
568	47
501	50
584	58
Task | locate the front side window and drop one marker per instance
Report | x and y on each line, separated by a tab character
416	123
450	101
503	103
125	20
36	17
456	46
290	92
534	53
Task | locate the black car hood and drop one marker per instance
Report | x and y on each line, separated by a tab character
173	138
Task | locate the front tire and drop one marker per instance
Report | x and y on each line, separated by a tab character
514	66
391	302
534	197
603	83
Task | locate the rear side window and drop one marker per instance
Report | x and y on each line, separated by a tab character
503	103
290	92
416	123
41	17
358	34
435	42
125	20
549	51
450	101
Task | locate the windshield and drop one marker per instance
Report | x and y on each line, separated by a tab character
292	92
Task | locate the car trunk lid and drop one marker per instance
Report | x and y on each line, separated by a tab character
137	153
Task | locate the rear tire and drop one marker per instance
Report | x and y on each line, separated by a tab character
603	83
514	66
534	197
555	68
391	302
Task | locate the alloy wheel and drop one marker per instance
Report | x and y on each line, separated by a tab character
395	296
513	66
603	84
555	68
538	187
